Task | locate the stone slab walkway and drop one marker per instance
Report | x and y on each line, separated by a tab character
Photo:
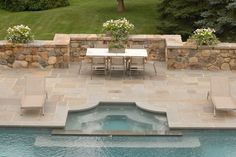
181	94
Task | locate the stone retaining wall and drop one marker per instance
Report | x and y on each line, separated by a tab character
65	48
155	44
219	57
39	54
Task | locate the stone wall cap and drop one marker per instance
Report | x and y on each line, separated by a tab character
173	41
142	37
78	36
38	43
87	37
219	46
92	37
132	37
35	43
4	42
185	45
61	39
225	46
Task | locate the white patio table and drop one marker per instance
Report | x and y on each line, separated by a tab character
104	52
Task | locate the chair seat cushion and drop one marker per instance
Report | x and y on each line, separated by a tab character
223	103
33	101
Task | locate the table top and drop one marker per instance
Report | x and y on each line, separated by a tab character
104	52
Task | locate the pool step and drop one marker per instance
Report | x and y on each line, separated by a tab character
105	142
115	133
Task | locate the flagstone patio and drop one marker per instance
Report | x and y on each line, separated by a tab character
179	93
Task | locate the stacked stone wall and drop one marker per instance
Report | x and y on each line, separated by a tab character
39	54
219	57
155	44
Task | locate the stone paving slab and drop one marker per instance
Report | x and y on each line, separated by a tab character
180	93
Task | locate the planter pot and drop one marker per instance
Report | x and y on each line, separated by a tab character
117	50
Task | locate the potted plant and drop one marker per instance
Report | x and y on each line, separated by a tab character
204	36
19	34
119	31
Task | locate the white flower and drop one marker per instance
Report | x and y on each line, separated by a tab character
19	34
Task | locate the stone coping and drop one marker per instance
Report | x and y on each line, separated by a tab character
139	37
36	43
141	105
116	133
59	40
184	45
172	41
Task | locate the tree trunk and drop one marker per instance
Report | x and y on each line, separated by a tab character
120	5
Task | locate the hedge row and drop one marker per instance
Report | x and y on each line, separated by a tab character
32	5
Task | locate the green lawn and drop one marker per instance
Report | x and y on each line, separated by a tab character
82	16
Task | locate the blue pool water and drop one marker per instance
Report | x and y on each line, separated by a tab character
40	143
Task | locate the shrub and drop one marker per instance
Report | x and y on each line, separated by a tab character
32	5
204	36
119	30
19	34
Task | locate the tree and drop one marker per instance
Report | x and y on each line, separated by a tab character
184	16
220	15
120	6
178	16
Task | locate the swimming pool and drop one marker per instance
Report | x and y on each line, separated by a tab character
40	143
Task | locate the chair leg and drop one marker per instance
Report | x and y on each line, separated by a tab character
208	94
155	68
123	74
42	111
144	72
105	74
110	74
80	66
21	112
214	111
130	74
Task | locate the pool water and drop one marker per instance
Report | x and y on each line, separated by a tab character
116	117
40	143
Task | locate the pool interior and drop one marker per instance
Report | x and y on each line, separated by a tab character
117	119
21	142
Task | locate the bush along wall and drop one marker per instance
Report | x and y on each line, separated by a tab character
32	5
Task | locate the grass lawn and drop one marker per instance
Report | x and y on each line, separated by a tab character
82	16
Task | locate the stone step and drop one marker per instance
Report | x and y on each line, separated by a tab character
115	133
90	142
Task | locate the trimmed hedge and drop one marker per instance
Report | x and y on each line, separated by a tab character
32	5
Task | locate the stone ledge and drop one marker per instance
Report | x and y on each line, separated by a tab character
173	40
131	37
61	39
172	44
36	43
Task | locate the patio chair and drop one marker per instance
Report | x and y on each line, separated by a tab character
117	64
98	64
137	64
220	94
82	59
35	94
153	63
